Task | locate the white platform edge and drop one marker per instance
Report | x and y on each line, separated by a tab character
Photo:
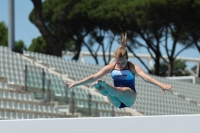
136	124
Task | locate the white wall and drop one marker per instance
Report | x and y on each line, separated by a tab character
138	124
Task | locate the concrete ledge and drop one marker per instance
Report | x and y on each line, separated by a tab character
137	124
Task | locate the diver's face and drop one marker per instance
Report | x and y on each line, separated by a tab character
121	62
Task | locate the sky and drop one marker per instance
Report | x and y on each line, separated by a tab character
26	31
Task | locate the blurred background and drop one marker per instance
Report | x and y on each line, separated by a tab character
163	38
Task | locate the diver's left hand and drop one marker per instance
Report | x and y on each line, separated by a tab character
165	87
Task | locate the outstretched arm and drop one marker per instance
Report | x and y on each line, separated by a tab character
91	78
147	78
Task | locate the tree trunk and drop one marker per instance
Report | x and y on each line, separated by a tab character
78	50
53	41
49	38
198	74
157	63
170	67
157	66
197	46
93	55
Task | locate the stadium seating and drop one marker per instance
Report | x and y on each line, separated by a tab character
12	67
148	94
72	70
16	104
182	99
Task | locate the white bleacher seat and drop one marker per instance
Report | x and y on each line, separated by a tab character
35	116
24	116
12	115
14	105
18	115
1	94
29	116
35	107
80	104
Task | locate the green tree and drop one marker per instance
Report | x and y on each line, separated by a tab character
53	38
179	69
152	21
155	22
38	45
3	34
82	22
19	45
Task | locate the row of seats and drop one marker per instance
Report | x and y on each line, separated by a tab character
60	64
5	114
81	70
189	90
150	99
16	95
11	99
79	94
12	67
30	107
73	69
34	79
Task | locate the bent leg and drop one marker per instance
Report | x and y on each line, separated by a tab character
113	91
125	94
100	89
115	101
128	96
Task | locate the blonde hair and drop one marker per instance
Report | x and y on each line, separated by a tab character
121	51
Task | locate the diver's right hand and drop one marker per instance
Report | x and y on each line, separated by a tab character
70	85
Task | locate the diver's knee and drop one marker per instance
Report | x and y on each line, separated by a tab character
131	101
114	101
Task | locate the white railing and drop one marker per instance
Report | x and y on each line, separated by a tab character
142	56
192	79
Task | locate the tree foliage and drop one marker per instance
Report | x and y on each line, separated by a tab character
38	45
52	34
179	69
19	45
70	25
3	34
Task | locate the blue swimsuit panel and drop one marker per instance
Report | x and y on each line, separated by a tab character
123	78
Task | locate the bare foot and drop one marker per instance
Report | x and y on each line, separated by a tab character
100	88
102	83
96	85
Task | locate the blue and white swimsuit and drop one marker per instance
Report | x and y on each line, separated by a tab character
123	78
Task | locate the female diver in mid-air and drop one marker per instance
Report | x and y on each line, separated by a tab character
123	93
